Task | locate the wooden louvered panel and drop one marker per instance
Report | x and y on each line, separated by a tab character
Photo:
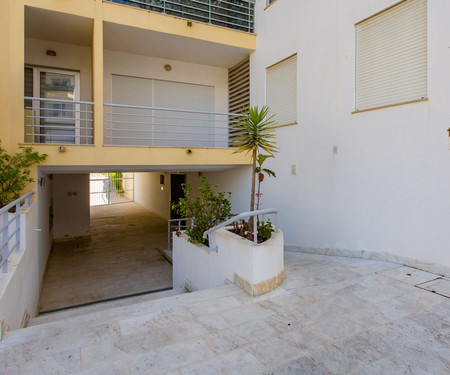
239	87
391	56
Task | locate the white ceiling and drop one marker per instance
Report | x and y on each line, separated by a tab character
152	43
133	168
65	28
58	27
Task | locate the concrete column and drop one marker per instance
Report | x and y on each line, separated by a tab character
97	73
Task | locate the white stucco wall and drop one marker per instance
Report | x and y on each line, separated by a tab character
71	205
386	189
202	268
235	180
148	193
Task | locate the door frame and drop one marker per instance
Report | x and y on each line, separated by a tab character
37	94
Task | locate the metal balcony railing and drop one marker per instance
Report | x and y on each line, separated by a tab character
58	121
10	228
233	14
129	125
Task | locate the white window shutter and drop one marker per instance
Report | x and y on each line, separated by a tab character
391	56
281	91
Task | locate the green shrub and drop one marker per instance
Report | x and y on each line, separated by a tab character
15	173
207	210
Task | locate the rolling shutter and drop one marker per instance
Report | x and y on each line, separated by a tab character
391	56
281	91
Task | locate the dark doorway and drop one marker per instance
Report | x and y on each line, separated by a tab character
176	192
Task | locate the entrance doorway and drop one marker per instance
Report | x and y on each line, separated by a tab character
111	188
176	192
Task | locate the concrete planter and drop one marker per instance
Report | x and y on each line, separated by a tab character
255	269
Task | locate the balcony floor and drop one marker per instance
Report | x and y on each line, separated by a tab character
121	257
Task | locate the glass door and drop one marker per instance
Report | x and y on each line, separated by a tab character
55	96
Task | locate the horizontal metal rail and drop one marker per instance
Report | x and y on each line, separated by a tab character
58	121
241	216
233	14
176	225
132	125
10	228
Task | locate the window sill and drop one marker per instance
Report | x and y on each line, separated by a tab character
390	105
268	6
285	125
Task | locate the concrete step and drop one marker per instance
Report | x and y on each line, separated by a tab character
52	317
98	326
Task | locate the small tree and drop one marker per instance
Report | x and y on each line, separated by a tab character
260	172
207	210
15	173
255	131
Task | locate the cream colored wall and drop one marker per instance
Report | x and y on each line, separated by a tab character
148	193
71	205
236	180
68	57
151	67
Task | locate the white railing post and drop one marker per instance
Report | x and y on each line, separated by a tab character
209	15
5	247
255	230
17	227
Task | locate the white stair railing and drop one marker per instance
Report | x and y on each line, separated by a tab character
10	228
208	233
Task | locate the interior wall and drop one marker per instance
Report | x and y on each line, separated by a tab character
45	219
71	205
68	57
150	194
236	180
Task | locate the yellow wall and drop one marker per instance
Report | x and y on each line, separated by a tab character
12	60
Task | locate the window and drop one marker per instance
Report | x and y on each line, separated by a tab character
281	91
391	56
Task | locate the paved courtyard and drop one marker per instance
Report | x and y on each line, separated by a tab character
332	315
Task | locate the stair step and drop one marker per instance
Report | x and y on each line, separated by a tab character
100	306
98	326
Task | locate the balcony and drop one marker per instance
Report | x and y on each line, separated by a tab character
66	122
127	125
58	121
233	14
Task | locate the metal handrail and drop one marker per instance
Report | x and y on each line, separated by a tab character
5	235
70	123
166	109
239	17
57	100
243	215
137	125
179	227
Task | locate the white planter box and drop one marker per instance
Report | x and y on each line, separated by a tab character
255	269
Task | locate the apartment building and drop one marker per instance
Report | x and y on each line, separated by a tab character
360	91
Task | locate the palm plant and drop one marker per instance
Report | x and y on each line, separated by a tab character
255	131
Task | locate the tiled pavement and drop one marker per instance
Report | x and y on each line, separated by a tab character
332	315
122	257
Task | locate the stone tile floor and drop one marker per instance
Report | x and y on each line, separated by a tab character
332	315
121	257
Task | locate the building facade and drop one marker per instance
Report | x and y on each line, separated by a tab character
360	91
